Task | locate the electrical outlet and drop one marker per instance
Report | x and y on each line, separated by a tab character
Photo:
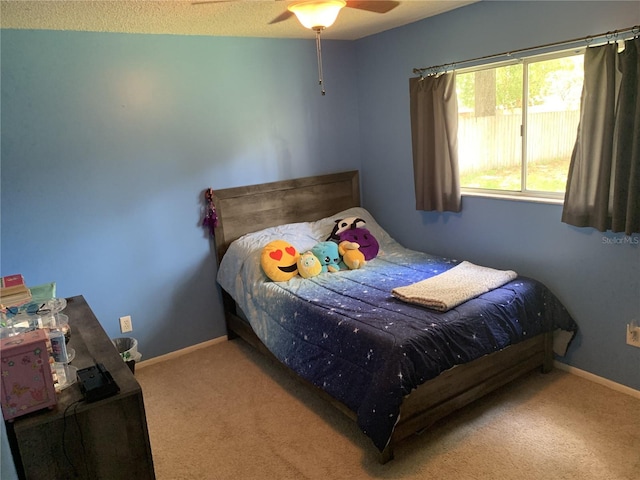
125	324
633	334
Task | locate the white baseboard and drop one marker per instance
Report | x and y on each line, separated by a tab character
179	353
596	379
559	365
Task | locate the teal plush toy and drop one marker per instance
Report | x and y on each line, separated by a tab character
327	254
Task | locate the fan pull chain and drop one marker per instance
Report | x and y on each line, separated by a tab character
319	53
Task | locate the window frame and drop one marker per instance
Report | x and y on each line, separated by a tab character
523	194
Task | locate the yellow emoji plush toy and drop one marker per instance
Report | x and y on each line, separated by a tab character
309	265
279	260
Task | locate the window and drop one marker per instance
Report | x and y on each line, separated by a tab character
517	124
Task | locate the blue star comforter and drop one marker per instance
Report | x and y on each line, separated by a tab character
348	335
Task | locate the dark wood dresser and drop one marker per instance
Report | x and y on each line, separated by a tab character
106	439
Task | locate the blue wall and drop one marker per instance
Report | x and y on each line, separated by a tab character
108	141
597	278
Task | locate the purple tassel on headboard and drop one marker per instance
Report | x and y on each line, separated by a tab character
210	217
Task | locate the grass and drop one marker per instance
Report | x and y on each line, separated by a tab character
544	175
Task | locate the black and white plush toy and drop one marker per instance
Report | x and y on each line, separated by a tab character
345	224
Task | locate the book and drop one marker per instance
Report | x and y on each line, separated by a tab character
4	292
15	299
12	281
13	290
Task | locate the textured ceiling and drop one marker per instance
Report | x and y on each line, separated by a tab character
244	18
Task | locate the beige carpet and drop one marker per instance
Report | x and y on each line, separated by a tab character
225	412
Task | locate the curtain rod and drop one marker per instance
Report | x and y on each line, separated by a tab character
589	39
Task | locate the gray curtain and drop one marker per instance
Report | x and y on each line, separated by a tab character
434	135
603	185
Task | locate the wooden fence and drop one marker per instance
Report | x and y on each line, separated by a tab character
486	143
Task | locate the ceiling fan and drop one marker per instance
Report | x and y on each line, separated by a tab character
305	8
317	15
321	10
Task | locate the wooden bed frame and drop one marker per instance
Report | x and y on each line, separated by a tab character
247	209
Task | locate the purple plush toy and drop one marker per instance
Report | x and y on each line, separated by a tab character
368	244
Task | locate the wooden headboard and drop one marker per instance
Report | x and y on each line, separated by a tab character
251	208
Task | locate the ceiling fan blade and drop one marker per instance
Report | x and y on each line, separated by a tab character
381	6
205	2
282	17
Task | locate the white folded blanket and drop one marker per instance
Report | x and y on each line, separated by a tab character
453	287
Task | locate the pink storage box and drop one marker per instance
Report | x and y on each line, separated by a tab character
26	380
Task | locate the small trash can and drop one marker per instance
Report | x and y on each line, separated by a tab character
128	349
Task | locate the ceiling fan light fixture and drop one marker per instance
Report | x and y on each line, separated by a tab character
317	14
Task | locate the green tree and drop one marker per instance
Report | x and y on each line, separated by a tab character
546	78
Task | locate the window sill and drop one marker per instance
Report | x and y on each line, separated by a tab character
516	196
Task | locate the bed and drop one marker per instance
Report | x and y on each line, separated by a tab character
392	366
